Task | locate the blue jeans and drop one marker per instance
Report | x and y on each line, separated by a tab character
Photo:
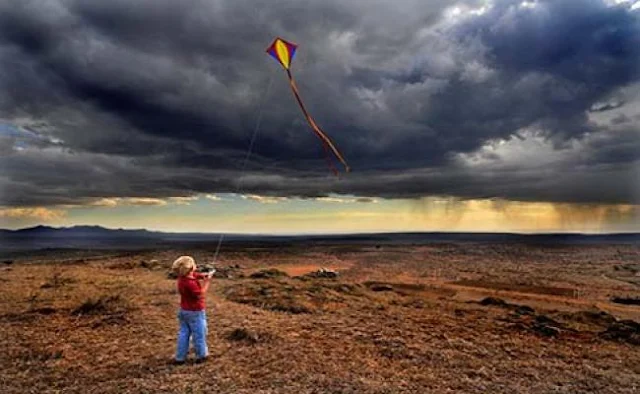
192	324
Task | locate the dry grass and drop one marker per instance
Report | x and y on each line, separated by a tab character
109	324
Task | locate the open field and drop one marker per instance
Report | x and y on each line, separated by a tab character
458	317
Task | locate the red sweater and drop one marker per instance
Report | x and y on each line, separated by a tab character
191	295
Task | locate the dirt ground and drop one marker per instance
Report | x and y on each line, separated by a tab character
398	319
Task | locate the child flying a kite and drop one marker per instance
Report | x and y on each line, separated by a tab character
192	287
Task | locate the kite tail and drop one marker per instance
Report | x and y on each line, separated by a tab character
329	162
325	139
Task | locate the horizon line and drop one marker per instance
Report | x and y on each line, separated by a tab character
331	233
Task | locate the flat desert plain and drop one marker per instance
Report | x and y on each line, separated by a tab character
440	318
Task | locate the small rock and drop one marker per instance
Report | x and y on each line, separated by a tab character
323	273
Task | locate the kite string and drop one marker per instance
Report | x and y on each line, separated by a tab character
247	155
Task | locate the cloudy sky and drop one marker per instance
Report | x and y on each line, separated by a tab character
477	115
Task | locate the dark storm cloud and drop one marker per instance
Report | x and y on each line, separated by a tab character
157	99
600	107
573	52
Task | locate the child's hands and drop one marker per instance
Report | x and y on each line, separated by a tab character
208	275
205	275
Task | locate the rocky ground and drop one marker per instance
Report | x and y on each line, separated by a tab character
424	319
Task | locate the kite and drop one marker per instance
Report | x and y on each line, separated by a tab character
283	51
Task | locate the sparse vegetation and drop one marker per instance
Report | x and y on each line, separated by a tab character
249	336
57	280
444	322
268	273
103	305
626	300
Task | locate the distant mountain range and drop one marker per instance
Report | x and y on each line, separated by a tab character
76	231
96	237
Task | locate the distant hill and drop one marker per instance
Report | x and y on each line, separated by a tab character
97	237
42	237
81	231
